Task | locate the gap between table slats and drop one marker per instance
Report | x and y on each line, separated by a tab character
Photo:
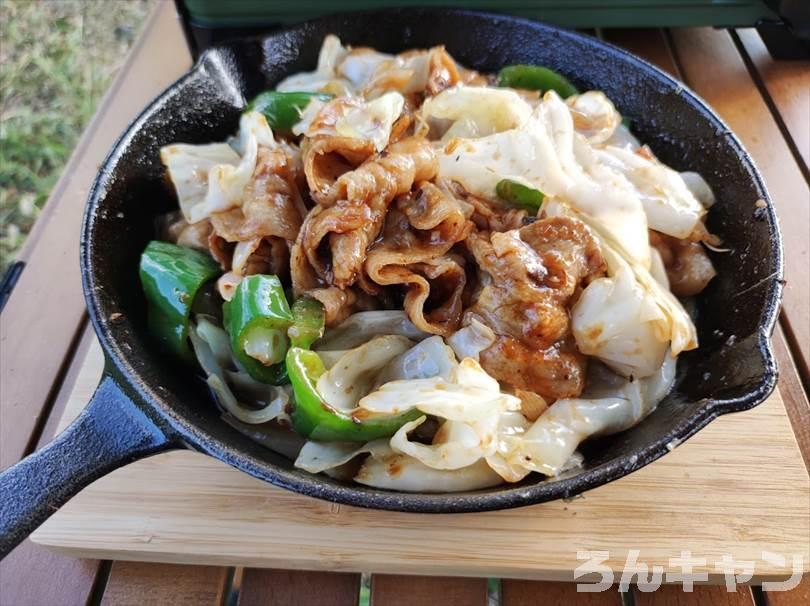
654	46
786	87
734	95
759	129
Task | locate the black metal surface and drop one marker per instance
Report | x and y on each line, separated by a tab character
9	281
109	433
734	368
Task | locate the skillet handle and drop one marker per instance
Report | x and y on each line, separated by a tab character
109	433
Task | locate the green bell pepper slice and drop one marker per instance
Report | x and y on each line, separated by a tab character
309	320
171	276
519	195
283	110
317	420
535	77
257	319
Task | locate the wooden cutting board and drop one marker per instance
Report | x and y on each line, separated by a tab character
736	488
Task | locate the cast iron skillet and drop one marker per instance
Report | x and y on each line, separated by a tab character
145	404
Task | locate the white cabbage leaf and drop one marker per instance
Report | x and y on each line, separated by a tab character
671	322
511	425
469	401
622	137
360	65
669	204
354	374
429	358
372	120
316	457
253	126
385	468
470	340
342	71
209	342
362	326
617	321
331	357
407	74
212	178
549	444
308	115
657	268
395	471
325	77
354	118
476	111
699	188
455	445
469	395
595	116
546	154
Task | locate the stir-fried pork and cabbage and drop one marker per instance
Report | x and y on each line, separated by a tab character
423	278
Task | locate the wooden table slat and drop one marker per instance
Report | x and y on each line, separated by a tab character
269	587
649	44
70	580
34	576
794	396
735	97
788	86
143	584
702	595
515	592
47	306
400	590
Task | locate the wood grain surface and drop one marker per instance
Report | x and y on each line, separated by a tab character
288	587
139	584
649	44
516	592
674	595
186	507
788	85
399	590
47	306
795	398
800	596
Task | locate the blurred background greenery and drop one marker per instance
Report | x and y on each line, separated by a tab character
57	58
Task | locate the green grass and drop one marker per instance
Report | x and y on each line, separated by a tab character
57	57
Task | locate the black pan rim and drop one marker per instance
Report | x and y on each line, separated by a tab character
505	497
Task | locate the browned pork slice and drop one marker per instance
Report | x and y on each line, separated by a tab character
415	252
688	267
334	239
532	276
